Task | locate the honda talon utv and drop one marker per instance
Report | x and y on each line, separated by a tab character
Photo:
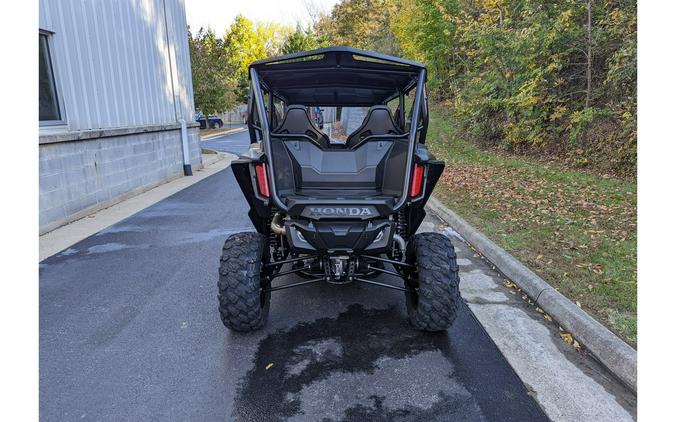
339	204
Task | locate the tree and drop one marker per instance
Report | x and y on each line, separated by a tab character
589	55
359	23
245	43
211	74
300	40
425	31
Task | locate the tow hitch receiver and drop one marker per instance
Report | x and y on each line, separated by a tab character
339	269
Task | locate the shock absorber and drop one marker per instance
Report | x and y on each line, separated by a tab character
402	222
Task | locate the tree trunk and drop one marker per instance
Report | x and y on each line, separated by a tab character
589	61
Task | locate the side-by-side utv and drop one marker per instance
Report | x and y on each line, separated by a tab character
338	204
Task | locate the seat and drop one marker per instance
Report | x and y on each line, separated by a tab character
297	121
378	121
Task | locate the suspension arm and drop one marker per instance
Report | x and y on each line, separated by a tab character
389	261
377	283
300	283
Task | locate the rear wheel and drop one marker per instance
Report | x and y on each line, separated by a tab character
243	293
433	306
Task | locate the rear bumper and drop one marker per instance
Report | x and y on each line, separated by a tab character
326	237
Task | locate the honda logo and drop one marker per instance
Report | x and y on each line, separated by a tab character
339	212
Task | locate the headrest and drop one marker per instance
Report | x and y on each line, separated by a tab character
378	121
297	121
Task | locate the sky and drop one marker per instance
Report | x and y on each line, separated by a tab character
219	14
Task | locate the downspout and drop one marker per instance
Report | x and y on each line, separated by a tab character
187	166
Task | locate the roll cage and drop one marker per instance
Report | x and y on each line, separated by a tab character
337	76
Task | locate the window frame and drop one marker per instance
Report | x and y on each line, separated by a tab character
56	85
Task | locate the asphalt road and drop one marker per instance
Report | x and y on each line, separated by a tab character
129	330
235	143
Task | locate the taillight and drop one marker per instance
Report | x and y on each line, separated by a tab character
261	176
417	179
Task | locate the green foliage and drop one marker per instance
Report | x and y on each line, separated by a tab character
425	31
245	43
212	84
514	74
220	65
301	40
361	24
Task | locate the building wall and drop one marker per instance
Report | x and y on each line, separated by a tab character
123	75
115	61
79	177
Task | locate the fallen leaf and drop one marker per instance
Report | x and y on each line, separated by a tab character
567	338
547	317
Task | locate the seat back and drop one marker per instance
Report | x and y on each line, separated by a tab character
297	121
378	121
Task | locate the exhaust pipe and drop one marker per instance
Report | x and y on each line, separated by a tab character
277	225
401	243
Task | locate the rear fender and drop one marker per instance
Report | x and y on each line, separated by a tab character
259	213
433	169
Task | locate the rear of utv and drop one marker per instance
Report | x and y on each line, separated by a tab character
340	204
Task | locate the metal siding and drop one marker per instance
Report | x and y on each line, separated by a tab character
132	47
111	61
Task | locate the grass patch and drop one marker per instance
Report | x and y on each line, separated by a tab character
577	230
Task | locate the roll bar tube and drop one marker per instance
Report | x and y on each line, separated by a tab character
412	141
267	146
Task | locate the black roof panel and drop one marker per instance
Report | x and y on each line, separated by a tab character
337	76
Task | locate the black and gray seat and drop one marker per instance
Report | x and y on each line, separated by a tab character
378	121
297	121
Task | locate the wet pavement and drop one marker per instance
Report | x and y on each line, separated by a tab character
129	330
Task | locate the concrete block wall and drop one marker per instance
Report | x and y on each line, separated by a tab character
79	176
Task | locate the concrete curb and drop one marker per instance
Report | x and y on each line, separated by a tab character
208	159
615	354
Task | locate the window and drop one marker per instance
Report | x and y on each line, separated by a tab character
50	112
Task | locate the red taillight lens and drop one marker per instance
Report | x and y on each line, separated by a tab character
417	179
261	176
